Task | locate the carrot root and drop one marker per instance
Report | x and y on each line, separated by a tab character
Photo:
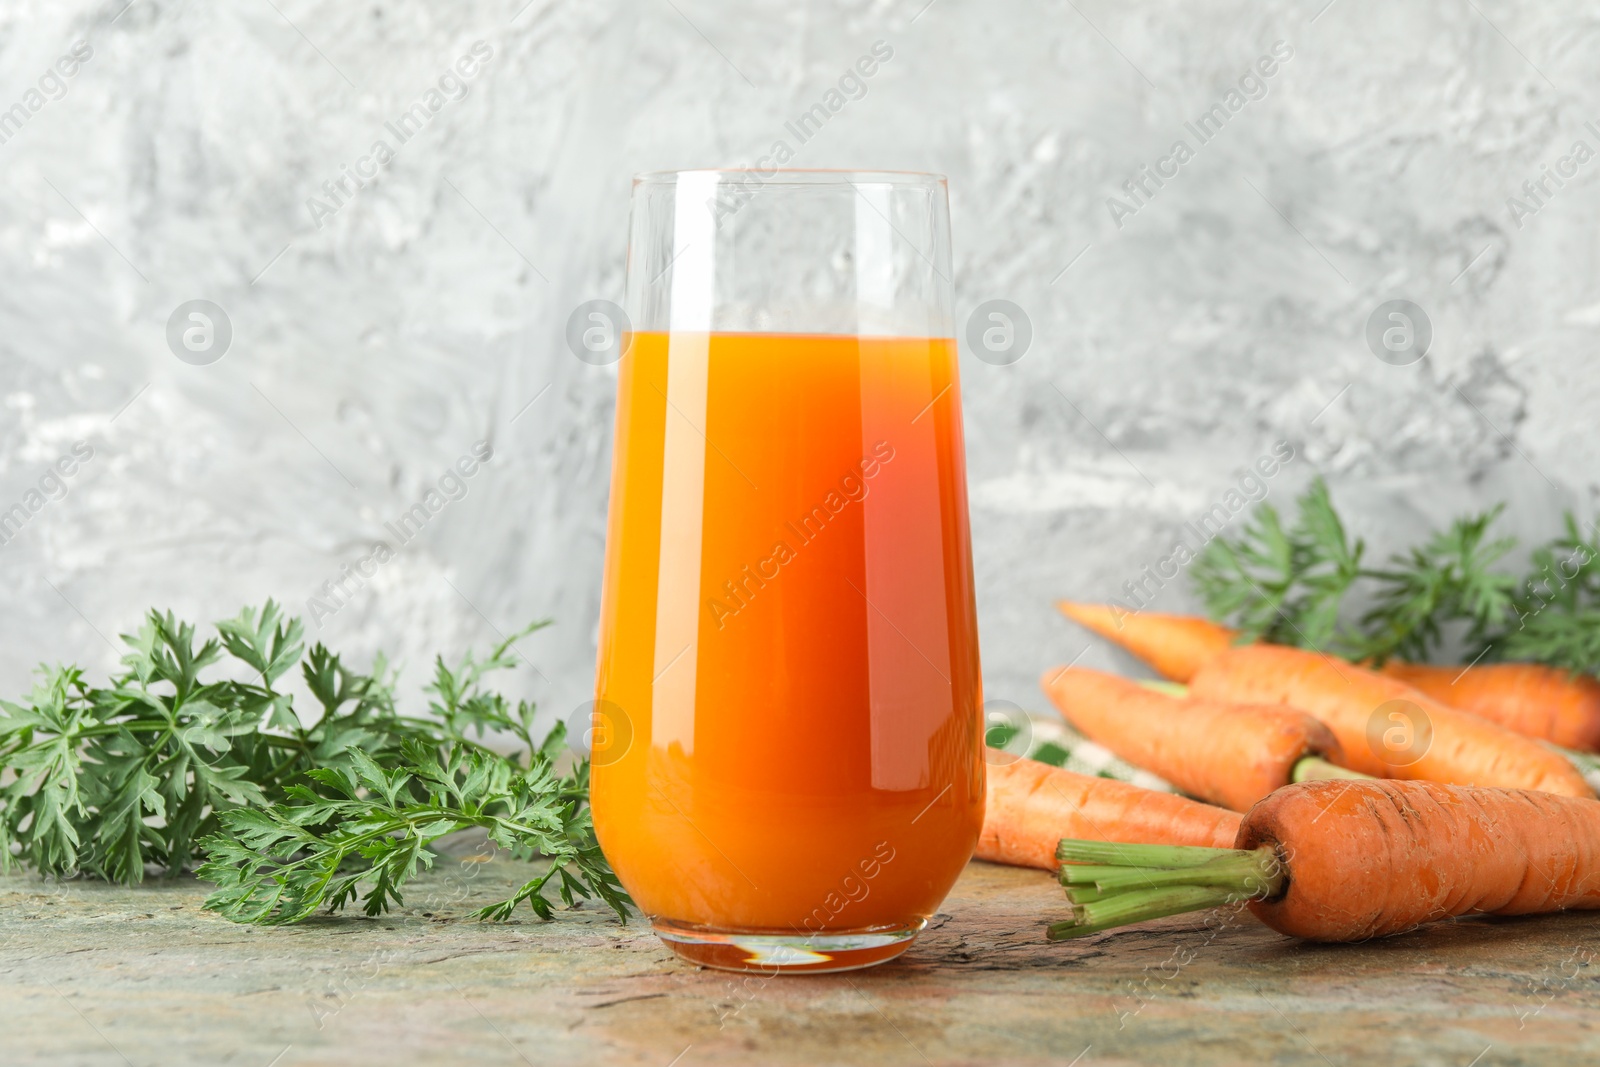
1543	702
1349	861
1031	805
1231	754
1437	742
1175	645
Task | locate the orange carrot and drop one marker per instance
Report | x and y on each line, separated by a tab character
1399	855
1231	755
1032	805
1175	645
1538	701
1384	726
1346	861
1544	702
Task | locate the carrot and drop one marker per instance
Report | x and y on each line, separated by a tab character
1231	755
1032	805
1384	726
1175	645
1347	861
1544	702
1538	701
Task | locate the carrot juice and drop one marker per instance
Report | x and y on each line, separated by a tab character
789	734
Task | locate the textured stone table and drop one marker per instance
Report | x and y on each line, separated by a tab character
96	975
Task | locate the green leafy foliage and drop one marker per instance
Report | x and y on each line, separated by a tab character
1447	579
1288	584
1283	584
363	830
1557	608
168	766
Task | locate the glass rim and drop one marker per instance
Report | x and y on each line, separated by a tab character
799	176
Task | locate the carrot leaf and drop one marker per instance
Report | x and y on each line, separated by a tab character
1449	578
1284	584
1555	615
173	766
1287	581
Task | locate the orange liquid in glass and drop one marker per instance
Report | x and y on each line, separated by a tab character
790	736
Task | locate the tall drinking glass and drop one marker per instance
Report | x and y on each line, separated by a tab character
788	747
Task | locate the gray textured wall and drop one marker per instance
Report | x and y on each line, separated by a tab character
1225	313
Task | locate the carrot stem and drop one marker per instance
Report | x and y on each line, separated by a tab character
1086	873
1223	871
1125	908
1171	689
1087	894
1315	768
1132	883
1122	854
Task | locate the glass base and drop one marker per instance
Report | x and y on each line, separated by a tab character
773	953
